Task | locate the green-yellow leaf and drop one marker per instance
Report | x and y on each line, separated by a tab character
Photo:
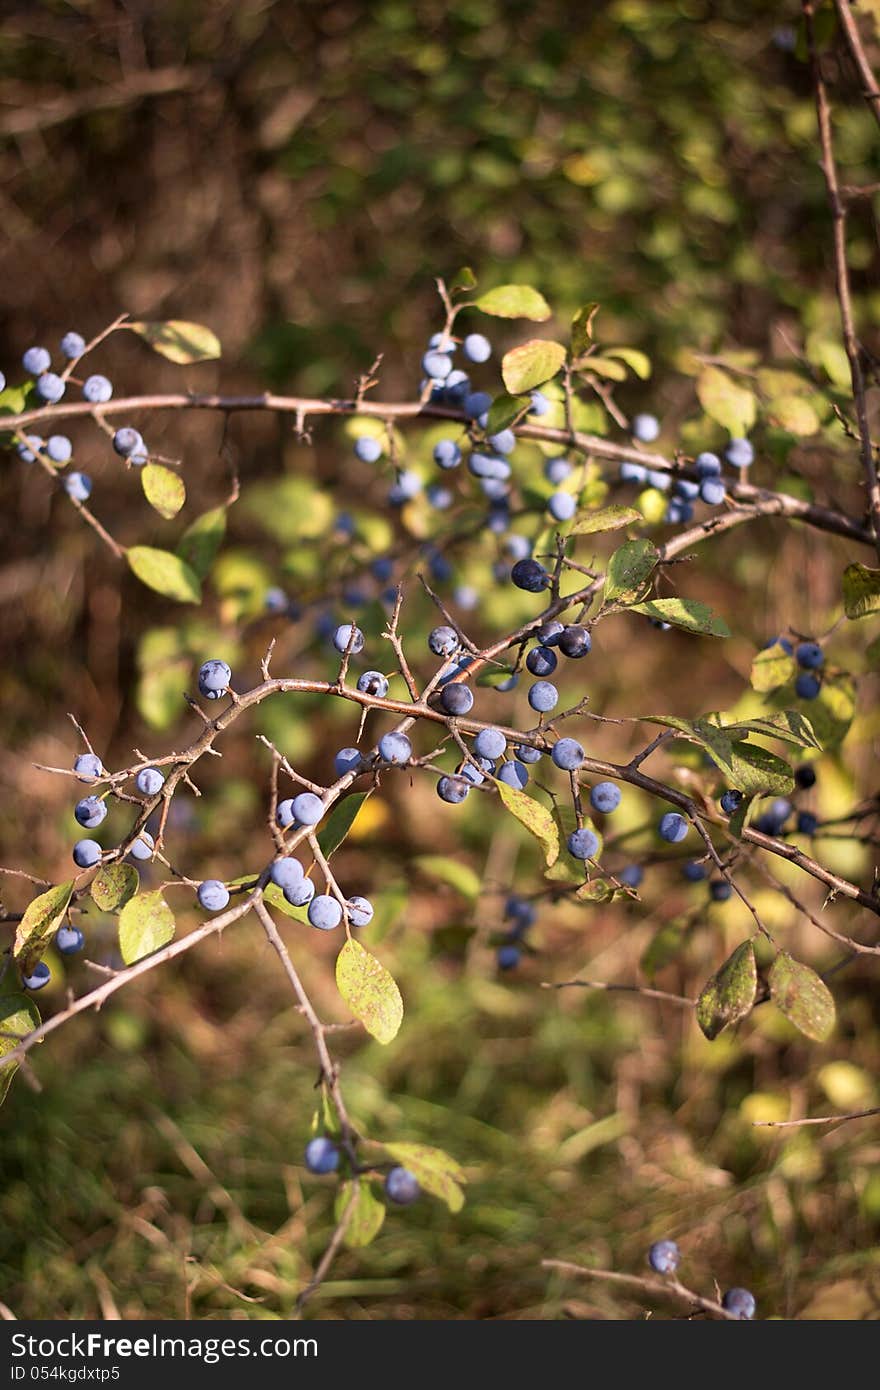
146	923
608	519
732	406
535	817
167	574
459	876
772	668
798	992
603	366
628	570
794	414
504	410
582	329
179	341
730	994
514	302
531	364
200	542
19	1016
369	991
638	362
861	591
113	886
687	613
163	489
42	918
365	1221
753	770
464	280
435	1171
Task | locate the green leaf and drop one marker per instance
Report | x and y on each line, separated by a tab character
582	329
179	341
200	542
772	668
798	992
628	570
607	519
436	1172
732	406
514	302
730	994
42	918
275	898
603	366
687	613
464	280
638	362
369	991
737	823
535	817
788	724
13	400
531	364
163	489
504	410
752	769
366	1220
494	677
19	1016
113	886
339	822
832	712
164	572
459	876
861	591
146	923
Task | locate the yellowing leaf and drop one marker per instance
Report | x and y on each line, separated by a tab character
730	994
805	999
42	918
163	489
164	572
608	519
531	364
629	568
113	885
179	341
723	400
861	591
365	1221
535	817
514	302
369	991
146	923
687	613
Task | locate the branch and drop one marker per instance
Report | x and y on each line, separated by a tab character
854	43
666	1288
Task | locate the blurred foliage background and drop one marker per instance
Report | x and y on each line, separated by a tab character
295	175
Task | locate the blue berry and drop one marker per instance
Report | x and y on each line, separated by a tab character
514	774
78	486
632	875
214	678
347	760
495	489
517	547
373	683
453	789
708	465
633	473
567	754
542	661
286	872
90	812
367	449
605	797
28	448
87	766
684	488
59	448
673	827
476	348
457	699
324	913
490	466
86	853
383	568
407	486
490	743
50	388
149	781
284	813
575	641
275	600
36	361
455	387
73	345
299	893
805	776
307	808
509	957
740	1302
504	442
731	801
38	977
557	470
694	871
540	404
69	939
712	492
347	637
782	642
441	499
550	632
543	696
720	890
97	390
527	754
360	911
664	1257
810	656
583	843
562	506
442	341
678	513
807	823
474	774
143	846
127	441
213	895
437	365
443	641
659	479
395	748
447	454
780	810
740	453
807	686
645	428
401	1187
520	911
322	1155
476	406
